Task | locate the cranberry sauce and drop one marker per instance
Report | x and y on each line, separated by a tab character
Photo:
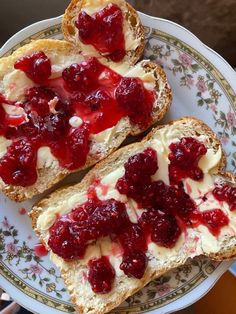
169	212
71	233
101	275
226	193
36	66
184	158
169	207
89	91
103	30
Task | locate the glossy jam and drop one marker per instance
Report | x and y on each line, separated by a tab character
134	264
71	233
226	193
36	66
103	30
135	100
184	158
215	219
132	238
136	183
164	202
88	90
40	250
167	211
101	275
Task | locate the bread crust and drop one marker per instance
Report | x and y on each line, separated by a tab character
131	17
192	126
48	177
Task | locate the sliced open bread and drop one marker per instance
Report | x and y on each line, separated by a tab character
132	27
194	240
62	54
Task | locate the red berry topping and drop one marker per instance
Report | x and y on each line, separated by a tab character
132	238
36	66
96	110
103	30
76	144
134	264
135	100
101	275
165	231
67	240
2	120
37	101
215	219
86	223
184	158
84	76
226	193
18	165
137	179
109	217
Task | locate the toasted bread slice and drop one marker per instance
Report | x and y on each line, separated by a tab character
194	242
62	54
132	27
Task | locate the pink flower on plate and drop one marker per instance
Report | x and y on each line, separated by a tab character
185	59
35	269
163	289
159	62
11	248
201	86
5	223
231	119
224	139
213	107
189	81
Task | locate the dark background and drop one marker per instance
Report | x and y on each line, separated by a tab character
213	21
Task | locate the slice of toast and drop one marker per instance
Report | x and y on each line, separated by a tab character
194	241
132	27
62	54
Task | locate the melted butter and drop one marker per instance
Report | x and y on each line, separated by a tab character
48	217
210	160
197	189
209	243
45	159
60	62
14	85
105	139
4	143
92	251
163	162
164	253
113	176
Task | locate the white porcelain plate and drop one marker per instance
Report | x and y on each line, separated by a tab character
204	85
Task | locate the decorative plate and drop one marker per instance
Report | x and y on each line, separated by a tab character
204	85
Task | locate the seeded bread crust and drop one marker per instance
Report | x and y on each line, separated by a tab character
71	271
131	18
49	176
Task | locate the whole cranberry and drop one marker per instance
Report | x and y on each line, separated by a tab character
36	66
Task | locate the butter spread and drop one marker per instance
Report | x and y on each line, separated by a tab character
15	84
4	143
45	159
